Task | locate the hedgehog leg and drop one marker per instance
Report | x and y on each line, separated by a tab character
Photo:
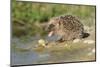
60	40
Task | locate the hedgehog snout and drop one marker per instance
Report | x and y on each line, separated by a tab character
50	27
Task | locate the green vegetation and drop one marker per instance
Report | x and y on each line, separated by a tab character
27	21
27	16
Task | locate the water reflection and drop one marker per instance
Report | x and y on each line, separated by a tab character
23	53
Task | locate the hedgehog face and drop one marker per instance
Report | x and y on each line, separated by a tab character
52	27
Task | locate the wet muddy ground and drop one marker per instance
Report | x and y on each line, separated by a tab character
29	52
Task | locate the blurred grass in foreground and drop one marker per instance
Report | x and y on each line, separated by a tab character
26	15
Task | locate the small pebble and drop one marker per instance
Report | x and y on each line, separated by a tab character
89	41
93	50
76	40
42	42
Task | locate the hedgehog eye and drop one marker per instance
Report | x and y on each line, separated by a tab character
51	25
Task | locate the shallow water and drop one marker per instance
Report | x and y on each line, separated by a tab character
23	52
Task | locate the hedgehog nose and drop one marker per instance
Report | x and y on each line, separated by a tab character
47	28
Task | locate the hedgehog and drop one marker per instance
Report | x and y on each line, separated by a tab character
67	27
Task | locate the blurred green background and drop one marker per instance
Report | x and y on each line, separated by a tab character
27	17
